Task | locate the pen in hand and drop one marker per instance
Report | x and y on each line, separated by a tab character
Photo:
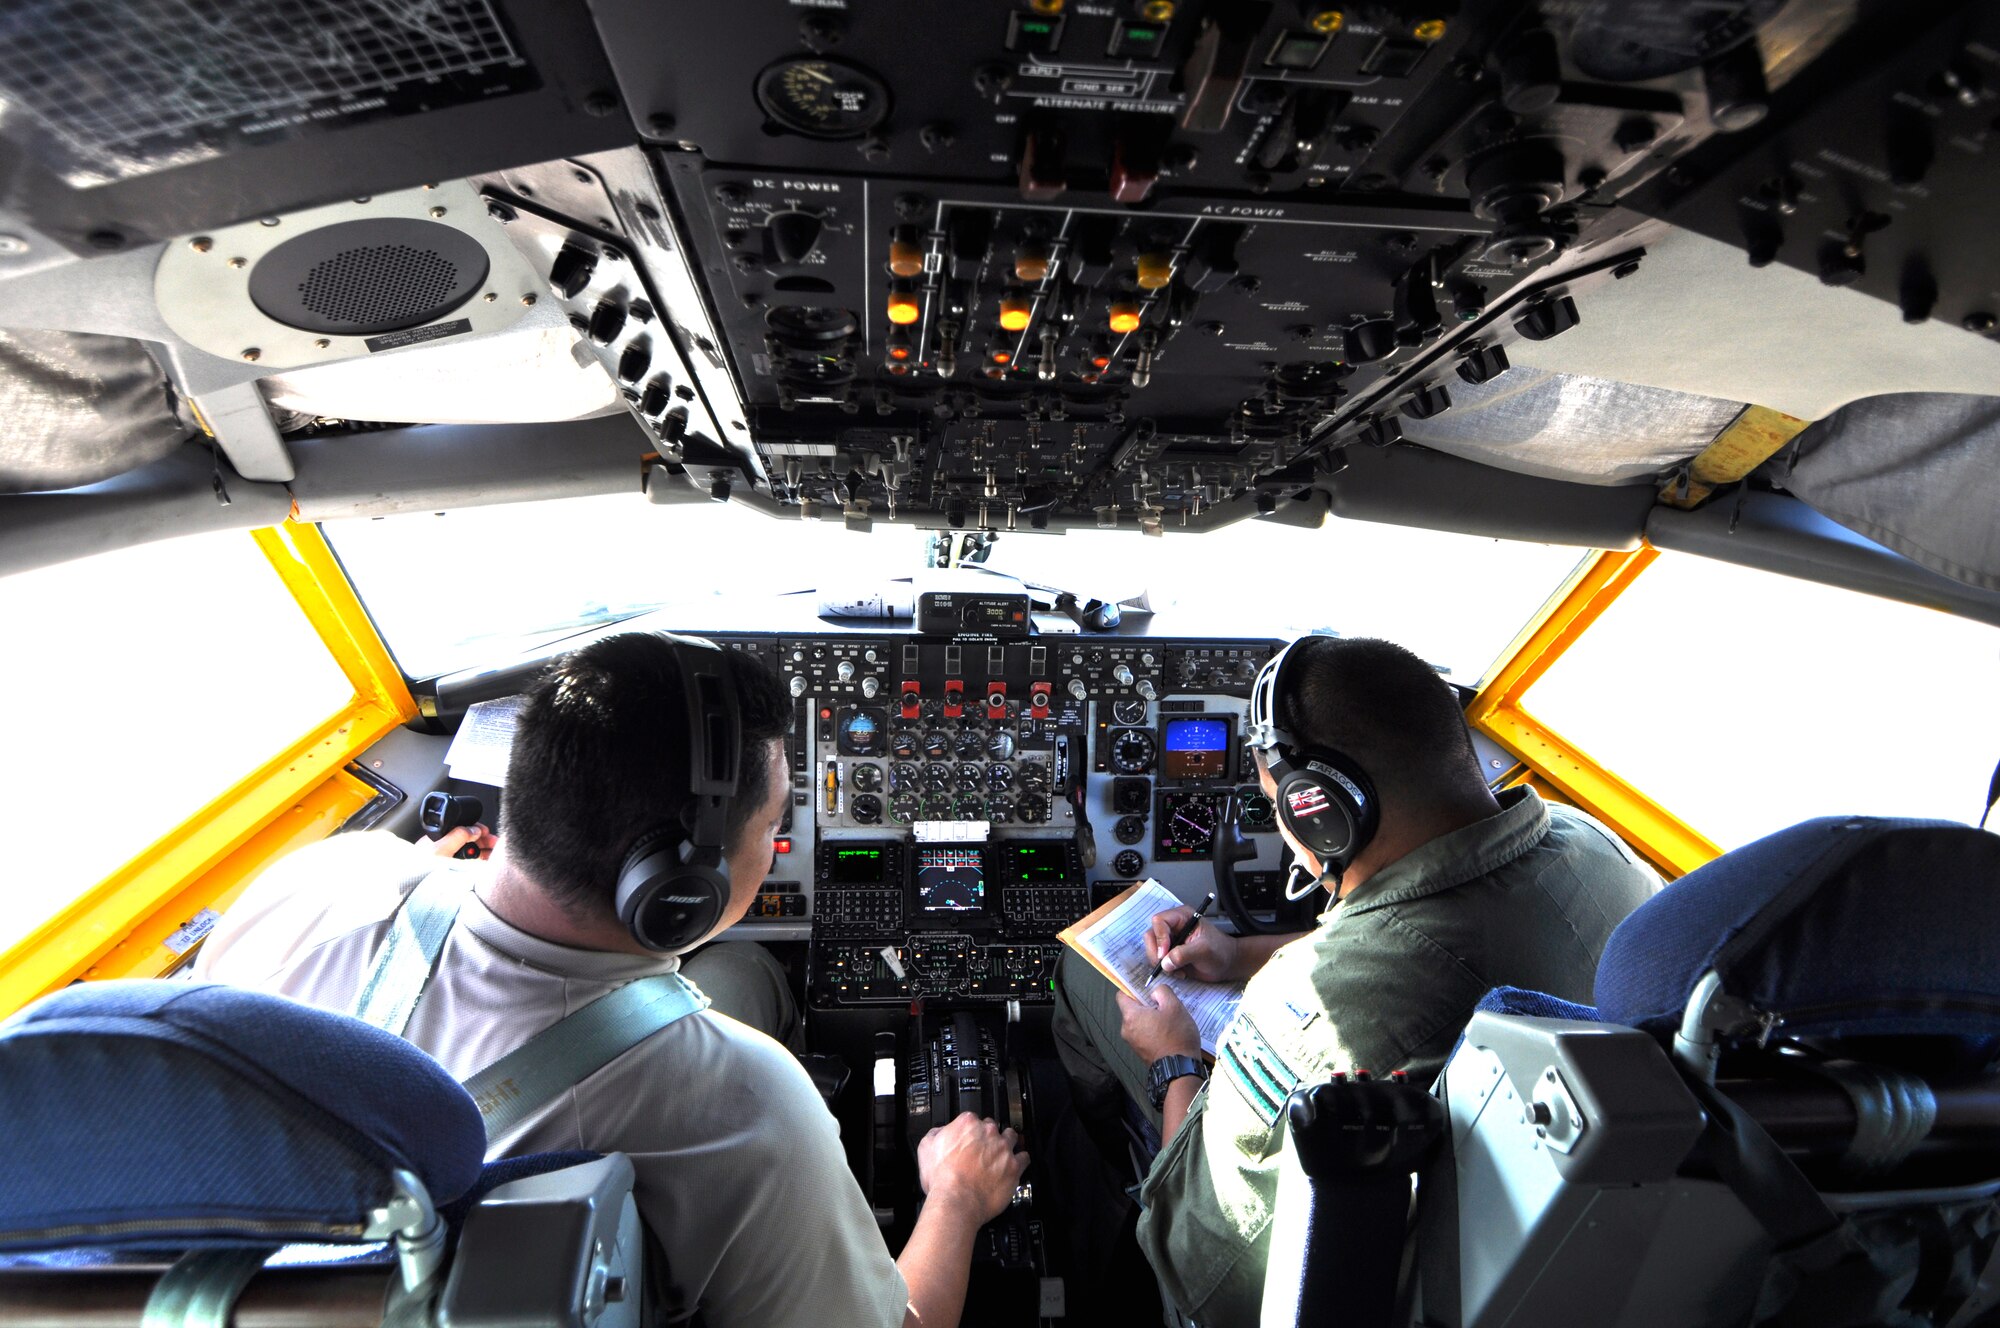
1174	942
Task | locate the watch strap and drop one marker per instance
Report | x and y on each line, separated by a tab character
1162	1073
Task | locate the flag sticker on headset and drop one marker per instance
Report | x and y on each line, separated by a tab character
1305	801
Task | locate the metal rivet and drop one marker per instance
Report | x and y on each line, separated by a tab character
239	262
267	221
201	244
437	212
528	299
321	343
430	186
12	244
252	353
365	198
491	296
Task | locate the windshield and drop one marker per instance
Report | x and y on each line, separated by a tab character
456	589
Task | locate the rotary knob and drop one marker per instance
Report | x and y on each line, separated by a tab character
798	684
844	670
870	686
1147	690
1122	675
1077	689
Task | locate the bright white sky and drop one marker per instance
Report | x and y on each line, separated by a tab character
143	683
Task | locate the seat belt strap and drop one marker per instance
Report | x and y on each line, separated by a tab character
569	1051
408	956
548	1064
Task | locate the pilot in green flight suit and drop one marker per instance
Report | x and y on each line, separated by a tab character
1457	890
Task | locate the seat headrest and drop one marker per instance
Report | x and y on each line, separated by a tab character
1840	926
174	1113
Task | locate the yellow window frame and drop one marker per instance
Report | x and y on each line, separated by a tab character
120	927
1554	762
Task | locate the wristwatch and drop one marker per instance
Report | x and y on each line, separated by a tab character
1167	1069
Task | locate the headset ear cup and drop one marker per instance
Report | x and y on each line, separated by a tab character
669	897
1329	805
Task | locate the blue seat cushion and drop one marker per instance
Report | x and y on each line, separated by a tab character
154	1113
1519	1000
1840	926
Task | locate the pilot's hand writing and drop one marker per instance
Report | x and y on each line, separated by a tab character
448	844
972	1162
1163	1028
1209	955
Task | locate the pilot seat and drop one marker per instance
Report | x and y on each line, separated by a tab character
1784	1109
189	1153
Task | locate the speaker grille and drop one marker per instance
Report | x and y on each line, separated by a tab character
378	284
360	278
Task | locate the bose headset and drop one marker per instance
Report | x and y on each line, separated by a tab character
675	882
1323	797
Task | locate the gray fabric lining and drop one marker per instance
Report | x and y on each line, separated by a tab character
1918	472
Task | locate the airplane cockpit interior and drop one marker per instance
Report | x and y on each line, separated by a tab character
982	399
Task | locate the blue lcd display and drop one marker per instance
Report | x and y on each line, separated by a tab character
1196	748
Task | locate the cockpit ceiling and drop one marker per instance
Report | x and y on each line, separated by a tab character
989	302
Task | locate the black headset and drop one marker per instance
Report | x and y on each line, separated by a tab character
1324	797
674	885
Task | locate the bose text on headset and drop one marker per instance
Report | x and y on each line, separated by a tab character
674	885
1323	797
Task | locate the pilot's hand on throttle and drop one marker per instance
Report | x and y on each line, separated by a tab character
451	843
1209	955
1162	1028
972	1162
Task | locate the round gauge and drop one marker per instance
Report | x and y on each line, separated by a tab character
1033	777
904	807
903	746
822	98
903	777
1129	830
1254	810
937	807
999	777
1001	745
932	709
866	809
861	733
937	778
1132	751
970	745
1128	710
1000	811
1187	824
971	778
937	745
1033	809
1128	863
970	808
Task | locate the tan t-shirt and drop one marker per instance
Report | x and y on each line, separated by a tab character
741	1175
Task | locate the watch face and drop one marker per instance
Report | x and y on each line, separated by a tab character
1162	1073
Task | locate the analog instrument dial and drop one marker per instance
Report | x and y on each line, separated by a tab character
971	778
1128	710
904	745
822	98
861	733
1187	824
937	745
1001	746
1000	811
1033	777
999	777
970	745
1254	811
937	778
866	809
970	808
937	807
867	777
1129	830
1128	863
905	807
1032	809
1132	751
904	777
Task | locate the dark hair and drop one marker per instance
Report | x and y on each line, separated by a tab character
601	756
1385	708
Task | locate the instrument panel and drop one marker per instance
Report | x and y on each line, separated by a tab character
957	802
